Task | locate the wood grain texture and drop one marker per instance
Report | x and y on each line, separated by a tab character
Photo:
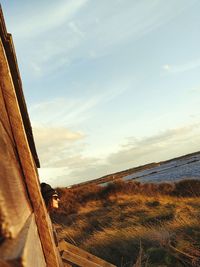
4	264
66	264
76	259
4	117
25	250
27	161
14	203
33	253
83	255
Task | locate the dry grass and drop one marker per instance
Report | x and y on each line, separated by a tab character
134	229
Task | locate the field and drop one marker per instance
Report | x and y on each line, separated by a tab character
134	224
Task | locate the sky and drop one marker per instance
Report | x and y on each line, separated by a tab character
109	85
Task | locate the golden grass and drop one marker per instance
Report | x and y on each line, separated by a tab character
137	230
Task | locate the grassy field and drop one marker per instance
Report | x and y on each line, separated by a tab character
132	224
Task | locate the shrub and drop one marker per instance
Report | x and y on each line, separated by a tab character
160	255
187	188
166	188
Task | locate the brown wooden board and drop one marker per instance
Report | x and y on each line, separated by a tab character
82	255
14	202
4	117
33	253
76	259
25	250
65	264
4	264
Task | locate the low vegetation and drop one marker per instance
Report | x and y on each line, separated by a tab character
134	224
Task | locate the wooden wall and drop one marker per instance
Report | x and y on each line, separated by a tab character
17	223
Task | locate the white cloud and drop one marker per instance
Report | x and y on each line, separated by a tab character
166	145
166	67
54	176
42	135
52	143
188	66
194	90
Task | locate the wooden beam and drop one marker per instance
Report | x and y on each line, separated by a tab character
76	259
67	264
82	255
4	264
27	162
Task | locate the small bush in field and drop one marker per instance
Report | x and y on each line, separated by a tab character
72	199
154	203
187	188
159	255
165	188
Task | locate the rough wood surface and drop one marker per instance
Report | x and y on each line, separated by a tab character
25	250
27	161
83	255
76	259
66	264
33	253
4	117
14	202
4	264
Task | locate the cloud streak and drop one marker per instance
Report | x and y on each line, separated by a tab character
48	19
63	33
75	110
182	67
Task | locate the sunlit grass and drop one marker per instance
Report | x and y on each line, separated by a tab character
141	229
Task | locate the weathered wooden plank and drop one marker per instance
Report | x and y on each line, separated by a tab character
4	117
25	250
76	259
27	162
83	254
4	264
14	203
65	264
33	253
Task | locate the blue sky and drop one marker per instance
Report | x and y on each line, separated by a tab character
109	85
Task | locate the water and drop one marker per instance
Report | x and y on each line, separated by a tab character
187	168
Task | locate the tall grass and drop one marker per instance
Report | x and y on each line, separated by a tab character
133	224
